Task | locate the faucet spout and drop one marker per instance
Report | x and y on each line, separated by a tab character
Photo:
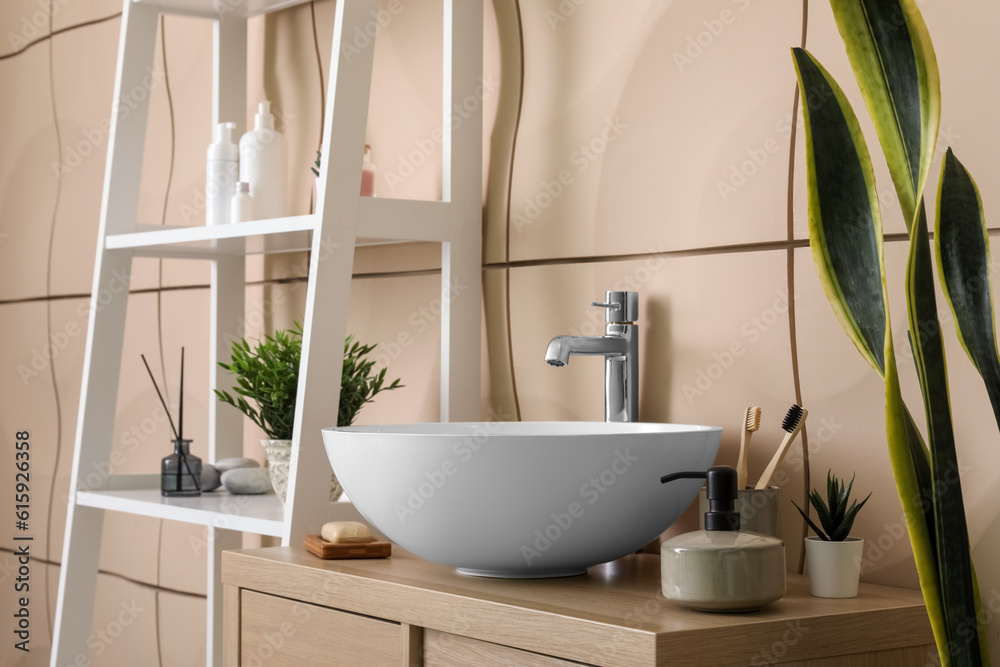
620	348
561	347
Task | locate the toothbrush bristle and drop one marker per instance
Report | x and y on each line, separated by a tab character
792	418
753	418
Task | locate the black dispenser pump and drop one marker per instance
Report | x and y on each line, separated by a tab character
722	493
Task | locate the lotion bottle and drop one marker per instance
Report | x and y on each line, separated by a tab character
264	165
242	204
221	174
721	568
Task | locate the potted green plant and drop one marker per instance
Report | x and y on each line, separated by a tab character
834	556
268	375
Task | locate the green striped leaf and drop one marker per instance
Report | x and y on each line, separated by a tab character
845	235
963	253
894	63
845	228
893	60
955	576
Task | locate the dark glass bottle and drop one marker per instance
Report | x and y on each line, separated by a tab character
181	472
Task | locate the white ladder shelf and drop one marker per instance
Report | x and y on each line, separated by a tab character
342	220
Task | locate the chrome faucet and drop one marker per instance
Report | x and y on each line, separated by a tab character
620	347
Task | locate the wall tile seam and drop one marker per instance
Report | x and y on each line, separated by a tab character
56	33
767	246
117	575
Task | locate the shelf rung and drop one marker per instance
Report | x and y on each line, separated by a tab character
405	220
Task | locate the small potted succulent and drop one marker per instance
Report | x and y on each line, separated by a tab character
268	375
834	557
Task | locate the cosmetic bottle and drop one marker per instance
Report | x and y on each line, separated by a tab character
264	165
721	568
241	209
221	174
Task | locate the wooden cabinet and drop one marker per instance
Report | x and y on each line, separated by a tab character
285	607
278	631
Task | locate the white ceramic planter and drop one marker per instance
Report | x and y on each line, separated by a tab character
834	567
279	455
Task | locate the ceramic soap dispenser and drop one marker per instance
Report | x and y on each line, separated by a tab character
721	568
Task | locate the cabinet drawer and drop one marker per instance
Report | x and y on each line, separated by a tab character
275	632
442	649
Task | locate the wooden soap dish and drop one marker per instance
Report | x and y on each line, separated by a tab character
317	546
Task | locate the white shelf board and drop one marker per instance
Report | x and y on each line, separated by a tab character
212	9
261	514
245	238
380	221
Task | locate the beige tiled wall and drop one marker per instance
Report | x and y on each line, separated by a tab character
646	147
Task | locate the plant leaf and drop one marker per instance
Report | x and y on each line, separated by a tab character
956	581
963	259
894	63
845	229
822	512
847	250
844	529
816	529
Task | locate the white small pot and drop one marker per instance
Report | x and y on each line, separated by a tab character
834	567
279	455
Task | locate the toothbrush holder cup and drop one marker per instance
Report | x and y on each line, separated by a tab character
758	509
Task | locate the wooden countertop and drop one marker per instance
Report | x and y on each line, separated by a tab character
614	614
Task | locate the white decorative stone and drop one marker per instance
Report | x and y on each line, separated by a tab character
211	478
222	465
246	481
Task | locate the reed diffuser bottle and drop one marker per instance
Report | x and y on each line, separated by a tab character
180	473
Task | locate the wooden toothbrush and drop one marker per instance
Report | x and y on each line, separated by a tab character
795	419
751	422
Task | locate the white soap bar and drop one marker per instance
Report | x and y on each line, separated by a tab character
346	532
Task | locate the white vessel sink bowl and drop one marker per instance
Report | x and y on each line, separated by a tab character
520	499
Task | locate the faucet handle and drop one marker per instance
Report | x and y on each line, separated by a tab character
619	307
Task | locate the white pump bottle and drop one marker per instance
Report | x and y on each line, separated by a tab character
264	165
221	174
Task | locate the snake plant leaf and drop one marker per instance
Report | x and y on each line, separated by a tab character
812	524
893	60
963	259
957	584
822	512
845	228
845	234
844	528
